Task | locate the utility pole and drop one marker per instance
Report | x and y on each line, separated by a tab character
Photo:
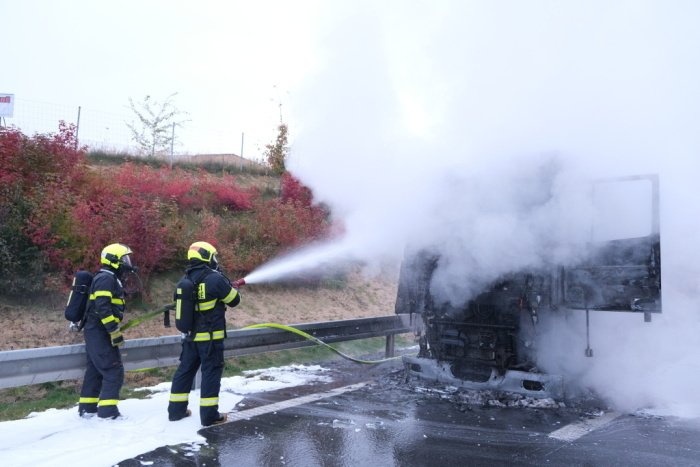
279	102
241	158
172	146
77	129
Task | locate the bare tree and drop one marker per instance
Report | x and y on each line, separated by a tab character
155	123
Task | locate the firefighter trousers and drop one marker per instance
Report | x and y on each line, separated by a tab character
210	355
104	375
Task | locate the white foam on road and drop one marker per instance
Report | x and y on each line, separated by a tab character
61	437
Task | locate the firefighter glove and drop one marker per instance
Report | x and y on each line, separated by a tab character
117	338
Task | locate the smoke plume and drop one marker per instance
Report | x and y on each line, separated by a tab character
473	127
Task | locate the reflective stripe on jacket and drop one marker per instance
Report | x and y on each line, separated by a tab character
214	293
106	303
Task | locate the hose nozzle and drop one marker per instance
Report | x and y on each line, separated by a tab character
238	283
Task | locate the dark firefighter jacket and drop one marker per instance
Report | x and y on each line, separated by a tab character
214	293
106	302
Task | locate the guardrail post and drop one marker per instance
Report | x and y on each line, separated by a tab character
389	346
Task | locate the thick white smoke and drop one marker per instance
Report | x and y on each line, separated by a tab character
471	127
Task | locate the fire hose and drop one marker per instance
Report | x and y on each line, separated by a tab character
166	317
238	283
165	309
318	341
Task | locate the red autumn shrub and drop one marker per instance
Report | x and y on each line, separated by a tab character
50	226
190	191
12	169
222	192
44	157
206	229
162	183
57	213
135	221
72	226
272	227
287	224
37	174
241	246
292	190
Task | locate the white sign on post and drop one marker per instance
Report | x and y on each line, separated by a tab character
7	105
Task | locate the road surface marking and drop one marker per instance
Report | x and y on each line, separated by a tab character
574	431
265	409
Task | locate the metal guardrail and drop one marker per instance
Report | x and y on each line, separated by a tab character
41	365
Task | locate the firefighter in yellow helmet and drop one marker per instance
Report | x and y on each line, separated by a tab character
104	374
203	344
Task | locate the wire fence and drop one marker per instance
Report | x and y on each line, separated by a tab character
108	132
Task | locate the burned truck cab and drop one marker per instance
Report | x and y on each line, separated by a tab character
490	341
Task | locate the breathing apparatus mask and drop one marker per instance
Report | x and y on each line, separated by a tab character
126	265
213	263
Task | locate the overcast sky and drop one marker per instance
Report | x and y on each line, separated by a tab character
231	62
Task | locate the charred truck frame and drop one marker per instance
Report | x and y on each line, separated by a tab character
489	342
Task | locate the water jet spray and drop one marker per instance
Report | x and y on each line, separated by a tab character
304	260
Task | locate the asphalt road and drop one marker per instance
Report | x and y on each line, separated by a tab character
372	416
